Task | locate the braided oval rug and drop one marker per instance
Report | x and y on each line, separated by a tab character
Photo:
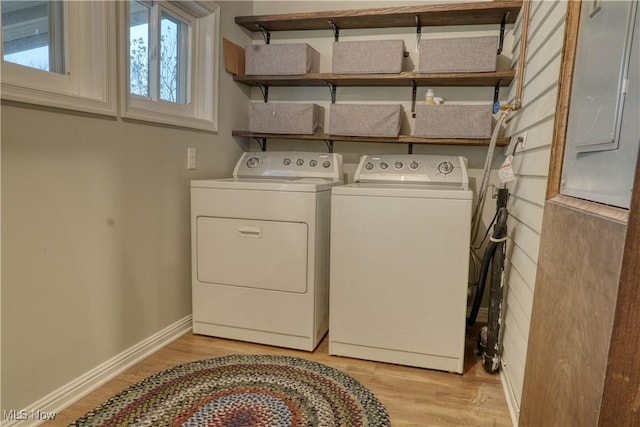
243	391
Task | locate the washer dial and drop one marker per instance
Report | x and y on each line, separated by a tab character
326	164
300	162
384	165
445	168
286	162
399	165
313	163
413	165
368	166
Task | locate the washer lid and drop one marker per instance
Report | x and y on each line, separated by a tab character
306	185
406	190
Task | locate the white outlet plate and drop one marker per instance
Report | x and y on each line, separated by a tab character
191	158
521	141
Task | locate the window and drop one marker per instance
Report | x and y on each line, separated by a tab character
33	34
170	58
158	60
59	54
63	54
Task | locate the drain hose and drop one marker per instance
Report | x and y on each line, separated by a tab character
484	183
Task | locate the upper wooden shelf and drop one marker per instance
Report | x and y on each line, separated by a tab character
501	78
401	139
477	13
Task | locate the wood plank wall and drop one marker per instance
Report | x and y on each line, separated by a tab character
572	319
531	164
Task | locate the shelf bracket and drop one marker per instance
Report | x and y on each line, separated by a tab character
496	93
418	32
265	91
336	30
414	92
262	142
265	33
329	143
332	90
502	25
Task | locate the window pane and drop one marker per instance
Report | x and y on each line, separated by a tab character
173	59
32	34
139	49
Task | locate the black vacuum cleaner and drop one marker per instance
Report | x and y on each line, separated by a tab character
489	342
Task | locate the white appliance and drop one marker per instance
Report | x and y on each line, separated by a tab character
400	239
260	249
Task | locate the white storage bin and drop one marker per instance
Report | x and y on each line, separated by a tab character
368	57
281	59
453	121
289	118
457	55
381	120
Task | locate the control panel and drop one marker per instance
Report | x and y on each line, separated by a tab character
415	168
289	164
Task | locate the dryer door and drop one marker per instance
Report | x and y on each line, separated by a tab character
269	255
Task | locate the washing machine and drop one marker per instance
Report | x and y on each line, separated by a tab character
260	249
400	239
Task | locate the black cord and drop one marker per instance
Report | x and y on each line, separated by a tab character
488	230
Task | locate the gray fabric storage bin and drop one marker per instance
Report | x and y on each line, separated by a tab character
453	121
271	117
372	56
468	54
281	59
381	120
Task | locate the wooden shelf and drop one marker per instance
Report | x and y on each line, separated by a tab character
476	13
501	78
402	139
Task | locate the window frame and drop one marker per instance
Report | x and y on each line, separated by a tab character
89	83
201	111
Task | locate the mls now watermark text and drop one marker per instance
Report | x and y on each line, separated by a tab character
23	415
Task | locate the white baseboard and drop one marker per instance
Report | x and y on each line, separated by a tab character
91	380
512	403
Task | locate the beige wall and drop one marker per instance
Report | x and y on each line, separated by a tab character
531	164
95	232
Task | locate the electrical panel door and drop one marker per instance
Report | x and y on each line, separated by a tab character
603	126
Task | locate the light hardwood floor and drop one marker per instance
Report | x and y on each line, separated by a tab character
412	396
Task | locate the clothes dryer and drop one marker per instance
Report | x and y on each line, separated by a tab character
400	239
260	249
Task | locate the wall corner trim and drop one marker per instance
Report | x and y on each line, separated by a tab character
510	397
73	391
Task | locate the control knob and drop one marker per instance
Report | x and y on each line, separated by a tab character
313	163
326	164
286	162
384	165
399	165
414	165
368	166
445	168
252	162
299	162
